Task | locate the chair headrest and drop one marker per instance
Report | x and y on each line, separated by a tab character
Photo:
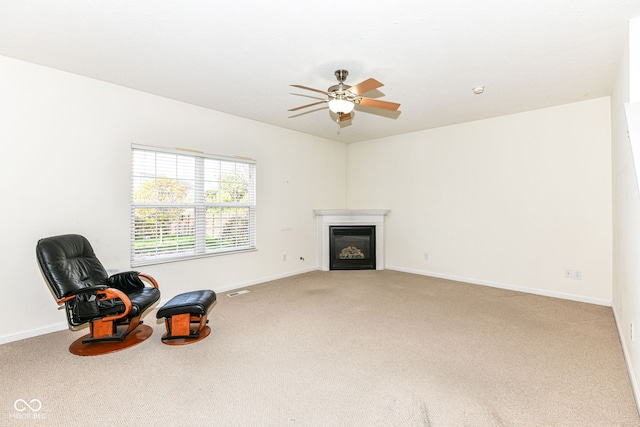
69	264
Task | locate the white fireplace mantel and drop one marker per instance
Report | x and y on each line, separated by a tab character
328	217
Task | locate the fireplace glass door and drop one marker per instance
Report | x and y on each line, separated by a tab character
352	247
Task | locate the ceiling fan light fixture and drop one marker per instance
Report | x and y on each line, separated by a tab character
341	106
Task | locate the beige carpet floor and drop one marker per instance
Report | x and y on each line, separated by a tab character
342	348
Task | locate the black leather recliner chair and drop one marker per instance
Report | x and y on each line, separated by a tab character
112	305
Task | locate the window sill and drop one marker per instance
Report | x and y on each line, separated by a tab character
168	259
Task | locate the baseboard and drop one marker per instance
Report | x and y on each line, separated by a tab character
55	327
264	280
627	359
561	295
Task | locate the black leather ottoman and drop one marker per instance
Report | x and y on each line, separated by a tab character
183	310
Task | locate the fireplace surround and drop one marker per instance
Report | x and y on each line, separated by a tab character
349	217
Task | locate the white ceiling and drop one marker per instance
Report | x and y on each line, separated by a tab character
240	57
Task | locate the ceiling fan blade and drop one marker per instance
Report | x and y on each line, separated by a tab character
376	103
309	88
344	117
308	105
365	86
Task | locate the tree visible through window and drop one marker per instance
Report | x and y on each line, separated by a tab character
187	204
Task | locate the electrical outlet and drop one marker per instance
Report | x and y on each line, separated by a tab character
284	257
426	256
573	274
631	333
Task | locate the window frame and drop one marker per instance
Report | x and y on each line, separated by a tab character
198	220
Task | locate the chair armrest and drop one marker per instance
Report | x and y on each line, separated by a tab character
88	289
112	293
150	279
128	281
104	293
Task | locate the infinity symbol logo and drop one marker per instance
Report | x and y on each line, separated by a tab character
21	405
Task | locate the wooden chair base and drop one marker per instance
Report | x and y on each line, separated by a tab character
96	348
187	340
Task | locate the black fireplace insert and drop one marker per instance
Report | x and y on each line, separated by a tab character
352	247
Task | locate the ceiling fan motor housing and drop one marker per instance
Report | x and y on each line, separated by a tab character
340	91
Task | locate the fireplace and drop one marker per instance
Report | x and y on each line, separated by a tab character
352	247
351	218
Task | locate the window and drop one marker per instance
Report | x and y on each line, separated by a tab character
188	204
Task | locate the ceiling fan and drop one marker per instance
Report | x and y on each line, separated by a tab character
343	98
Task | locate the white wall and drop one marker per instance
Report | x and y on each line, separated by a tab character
626	210
634	60
65	168
511	201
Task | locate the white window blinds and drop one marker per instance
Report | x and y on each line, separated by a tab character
186	205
